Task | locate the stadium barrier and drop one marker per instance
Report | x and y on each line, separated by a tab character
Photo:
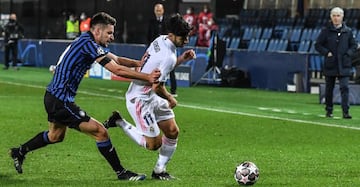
268	70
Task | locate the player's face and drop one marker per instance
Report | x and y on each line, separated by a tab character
106	35
180	41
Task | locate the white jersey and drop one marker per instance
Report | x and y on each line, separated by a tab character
162	55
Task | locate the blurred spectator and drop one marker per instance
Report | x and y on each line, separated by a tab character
156	23
72	27
205	31
191	18
84	23
206	25
13	31
205	15
157	28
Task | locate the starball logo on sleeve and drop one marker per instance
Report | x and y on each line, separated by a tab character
100	51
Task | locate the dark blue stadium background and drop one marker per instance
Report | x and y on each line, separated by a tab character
45	18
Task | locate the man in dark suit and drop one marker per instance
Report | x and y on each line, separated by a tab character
337	44
157	28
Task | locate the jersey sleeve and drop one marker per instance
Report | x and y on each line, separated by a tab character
94	50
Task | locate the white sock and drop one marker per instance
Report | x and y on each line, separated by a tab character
166	152
132	132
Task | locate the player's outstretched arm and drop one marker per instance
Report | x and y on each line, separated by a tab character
186	56
128	62
126	72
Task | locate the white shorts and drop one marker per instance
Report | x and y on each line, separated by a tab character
147	113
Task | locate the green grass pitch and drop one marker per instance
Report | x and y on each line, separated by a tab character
285	134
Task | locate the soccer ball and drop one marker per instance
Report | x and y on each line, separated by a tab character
246	173
52	68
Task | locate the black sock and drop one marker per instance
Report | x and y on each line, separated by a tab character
40	140
109	152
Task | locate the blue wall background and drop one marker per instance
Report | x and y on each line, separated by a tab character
267	70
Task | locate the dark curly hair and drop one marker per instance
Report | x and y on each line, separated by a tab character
177	25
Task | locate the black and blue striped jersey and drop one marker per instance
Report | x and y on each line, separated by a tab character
72	66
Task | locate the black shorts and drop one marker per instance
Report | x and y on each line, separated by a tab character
64	113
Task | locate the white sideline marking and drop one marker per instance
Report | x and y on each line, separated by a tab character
210	109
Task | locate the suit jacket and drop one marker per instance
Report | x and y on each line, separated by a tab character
156	28
341	43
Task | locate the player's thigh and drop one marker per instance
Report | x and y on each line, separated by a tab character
64	113
142	112
166	118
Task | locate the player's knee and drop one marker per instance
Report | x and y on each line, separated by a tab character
153	147
102	134
56	138
173	133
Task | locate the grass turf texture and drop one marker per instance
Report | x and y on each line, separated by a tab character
284	134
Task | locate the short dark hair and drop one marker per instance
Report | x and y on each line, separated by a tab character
102	18
177	25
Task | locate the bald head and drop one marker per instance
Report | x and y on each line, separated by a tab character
13	16
159	10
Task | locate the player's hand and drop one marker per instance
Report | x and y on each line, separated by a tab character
154	76
172	102
189	55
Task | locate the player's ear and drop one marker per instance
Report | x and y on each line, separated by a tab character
97	31
171	36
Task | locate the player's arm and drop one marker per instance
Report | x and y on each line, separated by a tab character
128	62
126	72
186	56
160	89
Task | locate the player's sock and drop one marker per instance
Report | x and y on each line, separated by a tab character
40	140
166	152
132	132
109	152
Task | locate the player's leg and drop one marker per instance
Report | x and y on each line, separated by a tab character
56	133
146	133
116	120
167	149
167	124
97	131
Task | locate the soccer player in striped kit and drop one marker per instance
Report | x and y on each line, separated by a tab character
60	94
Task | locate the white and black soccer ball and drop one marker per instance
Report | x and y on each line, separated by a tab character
52	68
246	173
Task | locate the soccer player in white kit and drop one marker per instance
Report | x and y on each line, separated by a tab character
150	106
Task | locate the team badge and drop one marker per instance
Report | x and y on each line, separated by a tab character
100	51
152	129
